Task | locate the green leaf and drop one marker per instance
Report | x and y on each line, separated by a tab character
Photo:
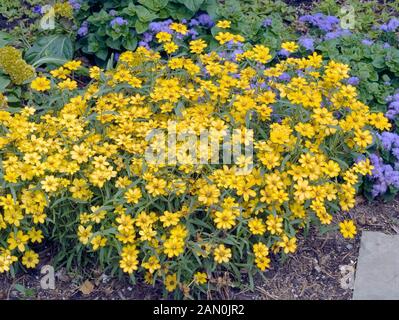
5	38
141	27
4	82
192	5
130	42
55	46
49	60
144	14
154	5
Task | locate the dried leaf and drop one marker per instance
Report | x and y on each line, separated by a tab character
87	287
348	277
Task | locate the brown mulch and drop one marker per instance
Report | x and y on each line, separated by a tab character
313	272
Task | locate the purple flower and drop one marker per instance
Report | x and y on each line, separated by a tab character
193	33
193	23
75	4
205	20
321	21
353	81
283	53
162	26
113	13
367	42
267	22
391	26
118	21
336	34
147	37
284	77
37	9
144	44
307	43
84	29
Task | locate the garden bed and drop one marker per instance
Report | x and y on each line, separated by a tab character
291	112
313	272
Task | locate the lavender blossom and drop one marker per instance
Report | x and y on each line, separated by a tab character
118	21
84	29
307	43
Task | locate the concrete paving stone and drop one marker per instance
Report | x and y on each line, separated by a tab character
377	272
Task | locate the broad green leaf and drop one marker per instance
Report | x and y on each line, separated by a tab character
5	38
55	46
4	82
155	5
144	14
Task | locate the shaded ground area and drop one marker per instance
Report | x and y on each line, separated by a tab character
316	271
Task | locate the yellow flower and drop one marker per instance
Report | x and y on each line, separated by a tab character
18	240
171	282
68	84
163	36
200	278
208	195
256	226
179	28
274	224
73	65
98	242
348	229
197	46
225	24
40	84
129	264
288	245
84	234
262	263
289	46
224	219
35	235
133	195
170	47
222	254
173	247
30	259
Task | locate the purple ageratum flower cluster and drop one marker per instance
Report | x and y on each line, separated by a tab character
267	22
353	81
367	42
84	29
117	22
321	21
391	26
393	107
328	24
337	34
37	9
307	43
75	4
160	26
205	20
384	176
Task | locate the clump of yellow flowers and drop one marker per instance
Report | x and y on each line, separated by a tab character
182	222
11	63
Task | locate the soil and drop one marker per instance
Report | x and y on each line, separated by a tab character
313	272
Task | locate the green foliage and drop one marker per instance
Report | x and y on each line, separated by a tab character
367	13
55	49
104	38
376	67
248	16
